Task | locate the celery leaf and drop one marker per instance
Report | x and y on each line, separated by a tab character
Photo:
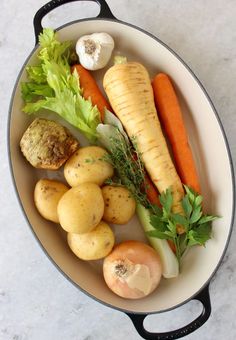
53	87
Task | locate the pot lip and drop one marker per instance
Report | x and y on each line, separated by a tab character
206	284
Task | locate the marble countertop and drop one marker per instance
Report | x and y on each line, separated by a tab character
36	301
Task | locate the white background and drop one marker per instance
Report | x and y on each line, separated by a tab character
36	301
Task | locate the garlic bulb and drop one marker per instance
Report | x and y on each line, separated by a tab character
94	51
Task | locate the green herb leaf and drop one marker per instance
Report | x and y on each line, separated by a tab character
182	240
198	200
36	74
197	226
31	90
51	47
190	193
199	235
179	219
196	214
172	228
156	210
54	88
166	200
170	234
187	206
157	223
158	234
35	106
129	168
207	218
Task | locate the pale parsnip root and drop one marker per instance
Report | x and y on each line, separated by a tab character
130	93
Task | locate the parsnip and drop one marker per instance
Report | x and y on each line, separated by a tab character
130	93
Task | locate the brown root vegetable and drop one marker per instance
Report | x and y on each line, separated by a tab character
132	270
47	144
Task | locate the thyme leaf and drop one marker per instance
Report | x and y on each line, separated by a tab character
127	162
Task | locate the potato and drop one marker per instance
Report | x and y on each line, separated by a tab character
119	204
81	208
94	245
87	165
47	194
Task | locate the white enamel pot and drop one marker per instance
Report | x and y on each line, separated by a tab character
211	152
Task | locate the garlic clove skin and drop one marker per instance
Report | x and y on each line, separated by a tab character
94	50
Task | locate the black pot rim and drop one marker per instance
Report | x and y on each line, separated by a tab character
206	284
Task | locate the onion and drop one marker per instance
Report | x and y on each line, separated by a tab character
132	270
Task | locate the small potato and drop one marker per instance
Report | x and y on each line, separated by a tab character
119	204
87	165
47	194
81	208
94	245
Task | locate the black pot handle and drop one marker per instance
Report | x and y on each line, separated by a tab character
105	13
203	297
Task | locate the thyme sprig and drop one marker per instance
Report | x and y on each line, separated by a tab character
127	162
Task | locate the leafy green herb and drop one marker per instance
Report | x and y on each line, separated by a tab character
51	86
196	224
129	167
31	90
124	157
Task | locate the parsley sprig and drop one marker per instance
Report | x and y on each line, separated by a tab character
197	225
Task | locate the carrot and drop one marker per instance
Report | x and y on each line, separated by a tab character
130	93
172	246
149	188
91	89
151	191
170	115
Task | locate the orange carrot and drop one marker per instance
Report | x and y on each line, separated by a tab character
91	89
151	191
172	245
170	115
149	188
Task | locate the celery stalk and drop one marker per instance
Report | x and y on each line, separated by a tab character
169	261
